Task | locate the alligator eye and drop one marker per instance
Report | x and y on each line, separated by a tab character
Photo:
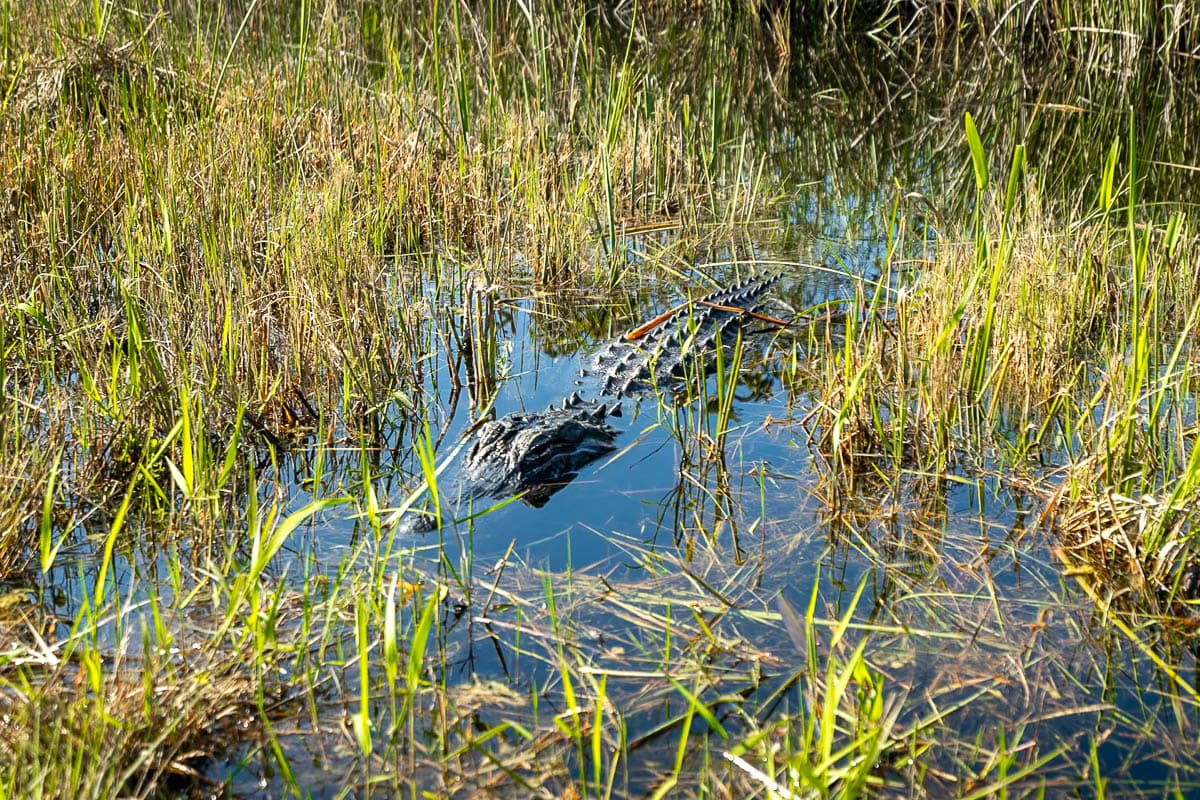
535	448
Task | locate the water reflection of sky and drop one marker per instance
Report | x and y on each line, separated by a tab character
966	541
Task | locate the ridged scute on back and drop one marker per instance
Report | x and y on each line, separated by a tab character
661	357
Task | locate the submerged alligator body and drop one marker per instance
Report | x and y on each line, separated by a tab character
534	454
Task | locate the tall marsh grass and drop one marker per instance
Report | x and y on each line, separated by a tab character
254	256
1051	349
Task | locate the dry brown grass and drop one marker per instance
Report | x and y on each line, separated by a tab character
1056	303
150	724
1138	551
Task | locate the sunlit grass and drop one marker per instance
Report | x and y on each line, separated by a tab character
261	262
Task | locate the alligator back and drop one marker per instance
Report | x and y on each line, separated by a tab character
539	452
659	359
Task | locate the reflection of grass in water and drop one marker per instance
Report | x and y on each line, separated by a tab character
622	668
925	377
947	621
609	678
1016	325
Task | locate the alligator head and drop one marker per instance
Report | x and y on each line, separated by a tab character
538	453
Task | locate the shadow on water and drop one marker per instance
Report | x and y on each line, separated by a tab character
687	533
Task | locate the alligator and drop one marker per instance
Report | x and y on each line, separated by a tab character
535	454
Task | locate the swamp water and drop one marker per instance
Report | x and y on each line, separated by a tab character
977	642
650	619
